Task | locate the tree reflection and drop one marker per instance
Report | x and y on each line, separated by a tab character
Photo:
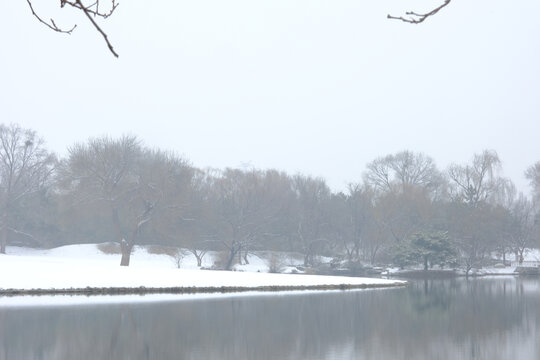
442	319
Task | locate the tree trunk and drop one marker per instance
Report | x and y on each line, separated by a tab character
126	255
126	252
3	242
425	263
233	251
240	258
306	260
467	270
230	259
373	255
4	236
198	255
349	254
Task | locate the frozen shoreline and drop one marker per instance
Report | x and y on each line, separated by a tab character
24	301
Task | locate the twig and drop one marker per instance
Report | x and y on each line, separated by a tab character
52	25
416	18
91	11
22	233
88	14
88	9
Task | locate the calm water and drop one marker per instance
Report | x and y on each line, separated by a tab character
434	319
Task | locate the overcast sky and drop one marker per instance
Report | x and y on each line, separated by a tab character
320	87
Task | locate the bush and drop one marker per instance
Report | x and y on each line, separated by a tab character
109	248
355	267
275	262
162	250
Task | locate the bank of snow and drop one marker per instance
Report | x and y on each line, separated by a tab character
85	266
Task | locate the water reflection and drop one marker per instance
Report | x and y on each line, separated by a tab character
433	319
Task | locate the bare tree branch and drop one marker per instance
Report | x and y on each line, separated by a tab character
52	25
88	9
89	16
91	11
22	233
416	18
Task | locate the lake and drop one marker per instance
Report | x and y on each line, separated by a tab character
485	318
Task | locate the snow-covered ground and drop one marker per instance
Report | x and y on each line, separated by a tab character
142	257
530	255
531	258
81	266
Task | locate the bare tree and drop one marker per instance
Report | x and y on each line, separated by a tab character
402	214
402	170
533	175
522	225
190	223
178	256
246	207
379	173
472	232
103	170
93	10
157	189
405	185
358	215
198	253
481	198
131	183
354	227
476	182
311	216
25	167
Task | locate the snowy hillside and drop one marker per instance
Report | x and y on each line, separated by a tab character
81	266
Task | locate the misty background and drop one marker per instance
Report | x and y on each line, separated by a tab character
404	210
270	125
303	136
316	87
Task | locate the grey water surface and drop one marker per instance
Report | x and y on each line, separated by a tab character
495	318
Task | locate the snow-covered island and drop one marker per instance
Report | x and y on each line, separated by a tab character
85	269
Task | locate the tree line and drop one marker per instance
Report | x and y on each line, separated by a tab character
403	210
